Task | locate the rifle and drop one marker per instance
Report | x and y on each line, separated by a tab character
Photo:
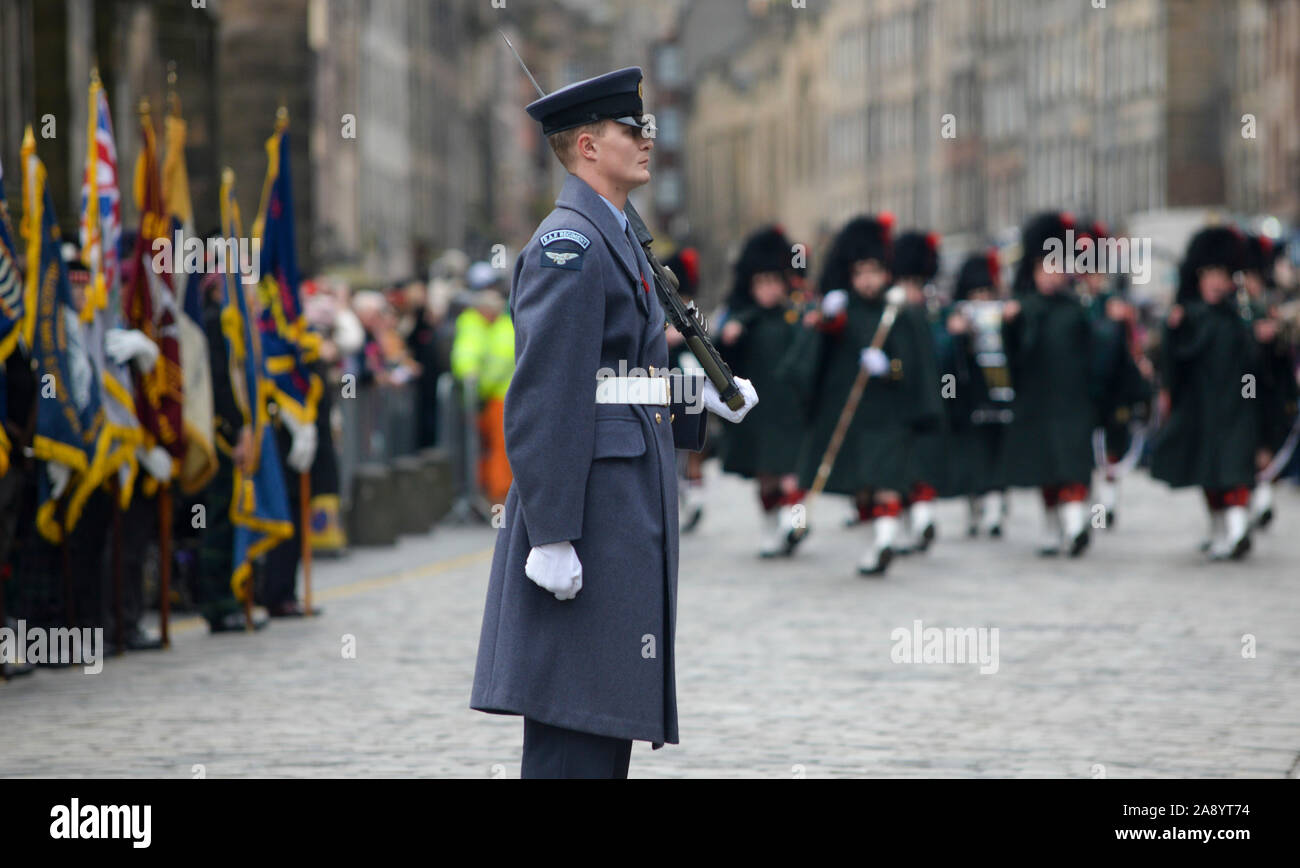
684	317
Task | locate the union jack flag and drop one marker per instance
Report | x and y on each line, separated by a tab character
101	226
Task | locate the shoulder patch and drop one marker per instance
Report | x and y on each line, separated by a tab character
565	235
568	256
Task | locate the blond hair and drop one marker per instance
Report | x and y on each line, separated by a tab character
564	141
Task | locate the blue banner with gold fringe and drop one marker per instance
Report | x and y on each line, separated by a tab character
69	414
289	347
259	506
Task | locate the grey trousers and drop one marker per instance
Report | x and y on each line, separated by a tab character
554	752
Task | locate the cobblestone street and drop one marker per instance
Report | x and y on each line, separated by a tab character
1126	663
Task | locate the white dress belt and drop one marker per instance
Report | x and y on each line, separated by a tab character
632	390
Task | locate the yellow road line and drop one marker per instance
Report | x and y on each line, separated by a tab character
195	622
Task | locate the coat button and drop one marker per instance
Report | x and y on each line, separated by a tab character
659	417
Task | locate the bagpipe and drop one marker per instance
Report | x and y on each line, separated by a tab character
985	318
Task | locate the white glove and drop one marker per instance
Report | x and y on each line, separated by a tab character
874	361
713	401
124	345
59	475
302	451
835	302
157	462
555	567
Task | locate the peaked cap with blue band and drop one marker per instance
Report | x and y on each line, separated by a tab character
615	95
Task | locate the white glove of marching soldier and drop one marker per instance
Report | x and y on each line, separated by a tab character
555	567
714	404
874	361
125	345
835	303
302	450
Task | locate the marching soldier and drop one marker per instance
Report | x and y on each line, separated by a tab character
1123	373
761	325
980	409
1049	346
579	623
1210	358
916	262
897	402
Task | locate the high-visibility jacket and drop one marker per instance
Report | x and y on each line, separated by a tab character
484	350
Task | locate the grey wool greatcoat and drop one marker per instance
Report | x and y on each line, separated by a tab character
600	475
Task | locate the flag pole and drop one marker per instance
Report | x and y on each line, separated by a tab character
4	615
69	614
119	630
165	560
304	511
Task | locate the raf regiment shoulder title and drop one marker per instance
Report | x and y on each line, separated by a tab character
558	249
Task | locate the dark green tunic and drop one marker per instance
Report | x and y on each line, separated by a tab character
822	366
767	440
1049	349
1123	393
1210	437
977	422
928	456
1278	390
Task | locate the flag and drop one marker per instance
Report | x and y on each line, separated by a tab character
69	417
259	507
13	310
101	232
199	463
150	306
180	208
289	347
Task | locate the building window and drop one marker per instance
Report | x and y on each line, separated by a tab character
669	66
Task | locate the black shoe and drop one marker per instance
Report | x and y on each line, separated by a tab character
690	524
1110	519
1079	543
1242	548
1265	518
141	641
927	537
882	564
1048	552
794	537
235	622
996	531
1239	551
17	670
291	609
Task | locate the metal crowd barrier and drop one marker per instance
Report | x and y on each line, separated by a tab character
387	485
378	426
